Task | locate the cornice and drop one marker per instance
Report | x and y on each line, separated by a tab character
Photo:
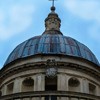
41	94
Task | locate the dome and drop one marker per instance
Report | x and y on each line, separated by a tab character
52	42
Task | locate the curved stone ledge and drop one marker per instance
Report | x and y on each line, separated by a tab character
41	94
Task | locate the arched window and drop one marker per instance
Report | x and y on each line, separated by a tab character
92	89
28	85
74	84
10	88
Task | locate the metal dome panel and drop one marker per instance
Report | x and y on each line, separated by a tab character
51	44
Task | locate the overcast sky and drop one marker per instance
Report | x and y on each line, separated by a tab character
23	19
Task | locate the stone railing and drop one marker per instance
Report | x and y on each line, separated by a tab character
50	95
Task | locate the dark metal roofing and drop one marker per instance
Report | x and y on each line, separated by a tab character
52	44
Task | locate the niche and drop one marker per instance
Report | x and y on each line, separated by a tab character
92	89
74	84
28	84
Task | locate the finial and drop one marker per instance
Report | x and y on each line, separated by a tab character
53	7
52	22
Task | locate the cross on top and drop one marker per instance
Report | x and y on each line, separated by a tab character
53	2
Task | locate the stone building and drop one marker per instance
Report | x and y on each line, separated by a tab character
50	67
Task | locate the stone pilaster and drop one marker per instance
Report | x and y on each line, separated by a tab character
62	82
4	90
82	85
85	86
17	85
97	90
39	82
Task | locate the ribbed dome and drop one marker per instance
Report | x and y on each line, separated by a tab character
52	42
